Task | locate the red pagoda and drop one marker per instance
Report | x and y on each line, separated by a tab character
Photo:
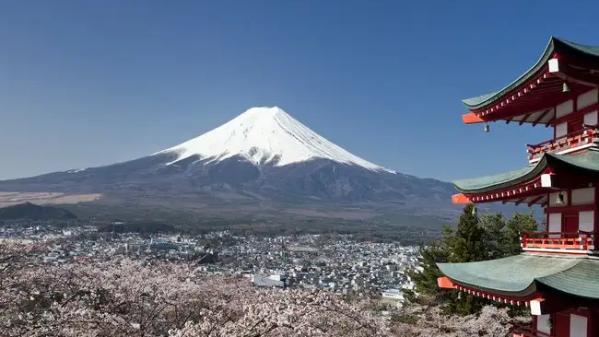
557	275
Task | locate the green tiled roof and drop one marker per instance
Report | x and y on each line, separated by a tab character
590	50
473	101
553	45
588	160
520	275
580	280
487	182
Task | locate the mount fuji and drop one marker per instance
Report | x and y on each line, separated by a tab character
266	136
263	161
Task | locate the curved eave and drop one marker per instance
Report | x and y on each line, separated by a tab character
521	275
580	280
554	45
501	181
501	276
587	161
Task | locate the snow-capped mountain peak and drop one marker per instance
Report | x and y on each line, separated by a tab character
266	135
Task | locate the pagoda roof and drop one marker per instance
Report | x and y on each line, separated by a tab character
587	160
555	45
520	275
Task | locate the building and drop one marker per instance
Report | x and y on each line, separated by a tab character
392	294
557	275
271	281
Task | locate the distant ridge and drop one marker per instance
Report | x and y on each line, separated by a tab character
29	211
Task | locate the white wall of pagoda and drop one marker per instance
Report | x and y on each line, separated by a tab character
577	203
578	326
544	323
566	108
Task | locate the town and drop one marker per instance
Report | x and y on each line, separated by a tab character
334	262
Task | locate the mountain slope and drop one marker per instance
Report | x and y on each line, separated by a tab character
261	161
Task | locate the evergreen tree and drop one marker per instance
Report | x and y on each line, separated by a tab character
474	239
516	226
465	244
425	278
493	226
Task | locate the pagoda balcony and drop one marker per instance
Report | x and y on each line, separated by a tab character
570	142
559	242
526	330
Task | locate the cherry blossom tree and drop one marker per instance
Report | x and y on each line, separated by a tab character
121	297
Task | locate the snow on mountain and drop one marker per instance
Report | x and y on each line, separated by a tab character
266	135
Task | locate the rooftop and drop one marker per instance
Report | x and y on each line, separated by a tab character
521	275
588	161
554	45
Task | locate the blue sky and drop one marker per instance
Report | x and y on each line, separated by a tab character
86	83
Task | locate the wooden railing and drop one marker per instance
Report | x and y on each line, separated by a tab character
586	136
562	241
521	330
